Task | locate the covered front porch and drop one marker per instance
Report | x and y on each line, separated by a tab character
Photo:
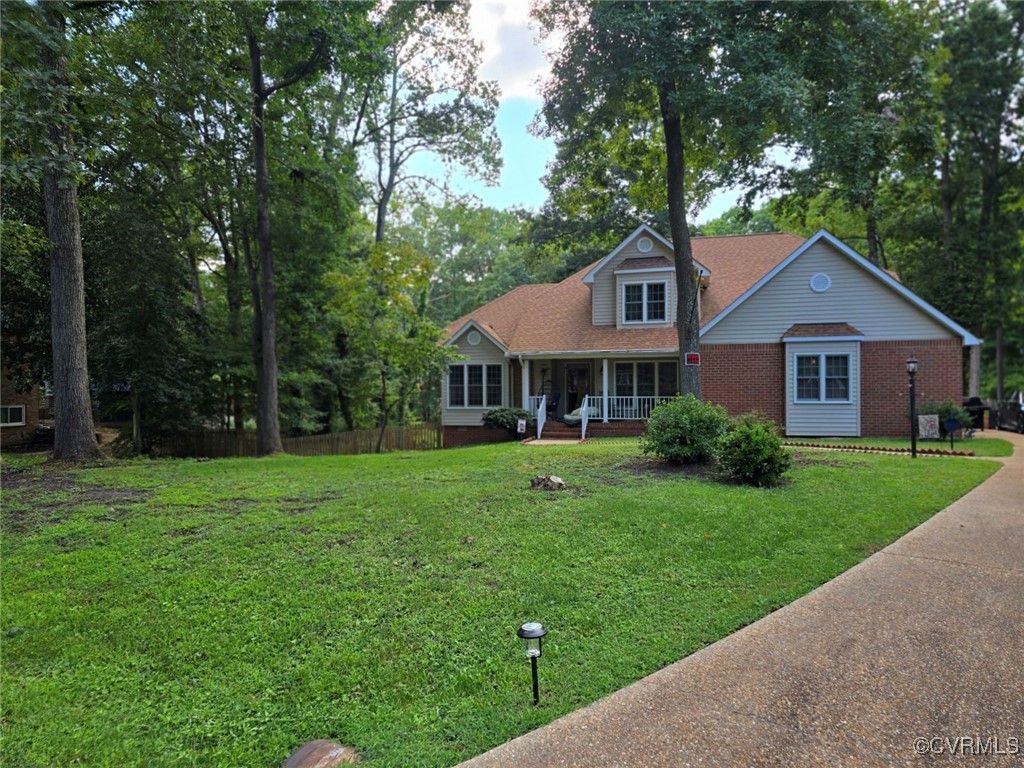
583	391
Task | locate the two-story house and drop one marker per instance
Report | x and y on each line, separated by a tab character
807	332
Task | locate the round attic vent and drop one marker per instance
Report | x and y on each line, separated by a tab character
820	282
644	244
473	338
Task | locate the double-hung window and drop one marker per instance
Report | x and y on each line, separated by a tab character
644	302
475	386
823	378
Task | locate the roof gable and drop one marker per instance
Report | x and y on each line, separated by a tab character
823	236
642	231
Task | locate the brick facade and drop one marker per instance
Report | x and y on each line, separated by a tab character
745	377
748	377
10	436
884	389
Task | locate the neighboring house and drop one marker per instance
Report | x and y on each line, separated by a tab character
19	413
806	331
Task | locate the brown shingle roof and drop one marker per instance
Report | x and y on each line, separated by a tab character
501	316
557	318
736	262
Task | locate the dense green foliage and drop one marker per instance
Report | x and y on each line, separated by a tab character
947	409
507	419
192	263
752	451
905	118
182	613
685	430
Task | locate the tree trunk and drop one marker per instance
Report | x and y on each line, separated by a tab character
999	364
74	431
268	428
687	324
974	375
136	420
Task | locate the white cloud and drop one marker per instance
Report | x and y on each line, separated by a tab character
512	52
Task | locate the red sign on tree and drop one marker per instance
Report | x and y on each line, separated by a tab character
693	358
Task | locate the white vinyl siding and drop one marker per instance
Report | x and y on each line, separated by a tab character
486	354
605	288
823	388
854	297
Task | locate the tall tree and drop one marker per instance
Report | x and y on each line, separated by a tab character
720	78
429	99
867	110
74	431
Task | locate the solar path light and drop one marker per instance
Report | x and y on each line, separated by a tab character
533	633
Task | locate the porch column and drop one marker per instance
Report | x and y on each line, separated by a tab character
604	389
525	381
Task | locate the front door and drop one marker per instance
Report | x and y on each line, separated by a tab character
577	385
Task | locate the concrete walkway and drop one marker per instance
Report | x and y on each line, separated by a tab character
913	657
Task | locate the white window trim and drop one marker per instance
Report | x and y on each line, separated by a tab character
821	378
465	387
24	416
645	320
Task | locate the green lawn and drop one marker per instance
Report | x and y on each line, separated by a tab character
220	613
980	446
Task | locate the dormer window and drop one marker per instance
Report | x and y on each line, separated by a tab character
644	302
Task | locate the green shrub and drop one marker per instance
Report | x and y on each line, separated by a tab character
684	430
752	451
506	418
945	410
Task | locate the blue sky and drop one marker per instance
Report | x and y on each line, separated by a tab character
514	57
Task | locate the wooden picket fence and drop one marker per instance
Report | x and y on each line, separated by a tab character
219	445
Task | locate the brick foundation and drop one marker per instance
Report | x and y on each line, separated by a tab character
745	378
884	390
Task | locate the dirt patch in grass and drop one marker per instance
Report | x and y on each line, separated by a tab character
46	496
801	460
643	466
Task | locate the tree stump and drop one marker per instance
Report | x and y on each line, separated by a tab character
322	753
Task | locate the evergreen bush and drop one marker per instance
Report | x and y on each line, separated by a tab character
752	451
684	430
507	418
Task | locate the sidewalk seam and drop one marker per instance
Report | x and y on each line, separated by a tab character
977	566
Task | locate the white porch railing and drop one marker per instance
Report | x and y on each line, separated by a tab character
533	402
585	413
542	413
622	408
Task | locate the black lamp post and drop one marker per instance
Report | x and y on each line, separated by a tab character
533	632
912	371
